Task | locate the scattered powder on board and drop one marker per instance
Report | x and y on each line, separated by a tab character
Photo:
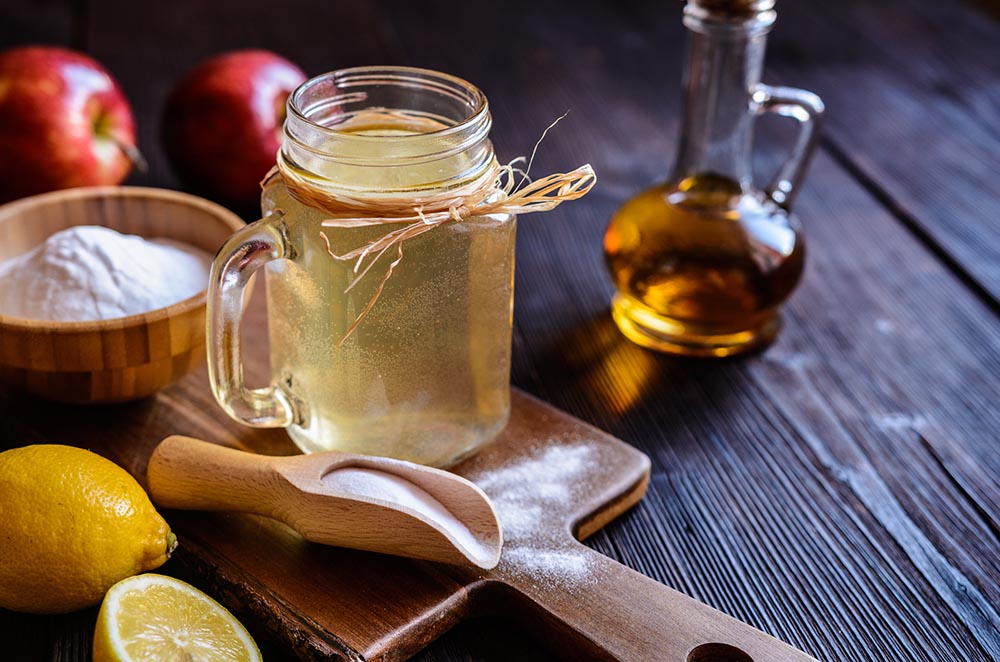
89	273
522	492
549	564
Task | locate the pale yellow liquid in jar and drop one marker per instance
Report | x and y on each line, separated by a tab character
425	376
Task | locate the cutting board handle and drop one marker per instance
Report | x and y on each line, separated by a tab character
190	474
634	618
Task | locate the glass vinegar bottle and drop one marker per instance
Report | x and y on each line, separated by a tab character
702	261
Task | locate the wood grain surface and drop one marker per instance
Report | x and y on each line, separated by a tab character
839	491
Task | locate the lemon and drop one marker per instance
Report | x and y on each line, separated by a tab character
71	525
152	618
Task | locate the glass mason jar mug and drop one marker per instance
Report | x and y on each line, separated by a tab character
415	366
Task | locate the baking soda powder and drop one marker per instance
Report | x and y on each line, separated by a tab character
89	273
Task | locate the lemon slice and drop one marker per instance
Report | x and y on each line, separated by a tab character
152	618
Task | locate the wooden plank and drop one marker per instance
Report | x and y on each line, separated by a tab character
913	91
804	490
801	529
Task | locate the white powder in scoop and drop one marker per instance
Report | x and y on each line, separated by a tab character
88	273
381	486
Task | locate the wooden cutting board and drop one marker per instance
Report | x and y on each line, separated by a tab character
553	479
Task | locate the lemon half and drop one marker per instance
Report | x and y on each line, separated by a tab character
152	618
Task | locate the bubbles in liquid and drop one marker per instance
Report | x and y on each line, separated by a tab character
425	377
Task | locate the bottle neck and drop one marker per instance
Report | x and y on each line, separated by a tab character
725	57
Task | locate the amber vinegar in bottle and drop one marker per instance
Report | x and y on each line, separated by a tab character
702	262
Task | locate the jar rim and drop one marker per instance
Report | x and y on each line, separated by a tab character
416	77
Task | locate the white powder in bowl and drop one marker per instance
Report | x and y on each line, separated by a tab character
89	273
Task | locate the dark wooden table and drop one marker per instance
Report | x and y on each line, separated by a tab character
841	490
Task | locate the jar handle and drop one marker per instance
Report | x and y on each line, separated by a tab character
807	109
244	253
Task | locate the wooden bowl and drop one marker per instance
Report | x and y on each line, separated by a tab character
116	359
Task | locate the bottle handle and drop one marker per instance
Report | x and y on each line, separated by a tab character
243	253
807	109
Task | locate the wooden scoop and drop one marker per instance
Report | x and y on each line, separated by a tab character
371	503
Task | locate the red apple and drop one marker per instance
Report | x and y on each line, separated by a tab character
222	124
63	122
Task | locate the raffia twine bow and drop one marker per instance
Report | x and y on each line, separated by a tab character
494	192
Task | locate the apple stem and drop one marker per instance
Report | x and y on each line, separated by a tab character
133	154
